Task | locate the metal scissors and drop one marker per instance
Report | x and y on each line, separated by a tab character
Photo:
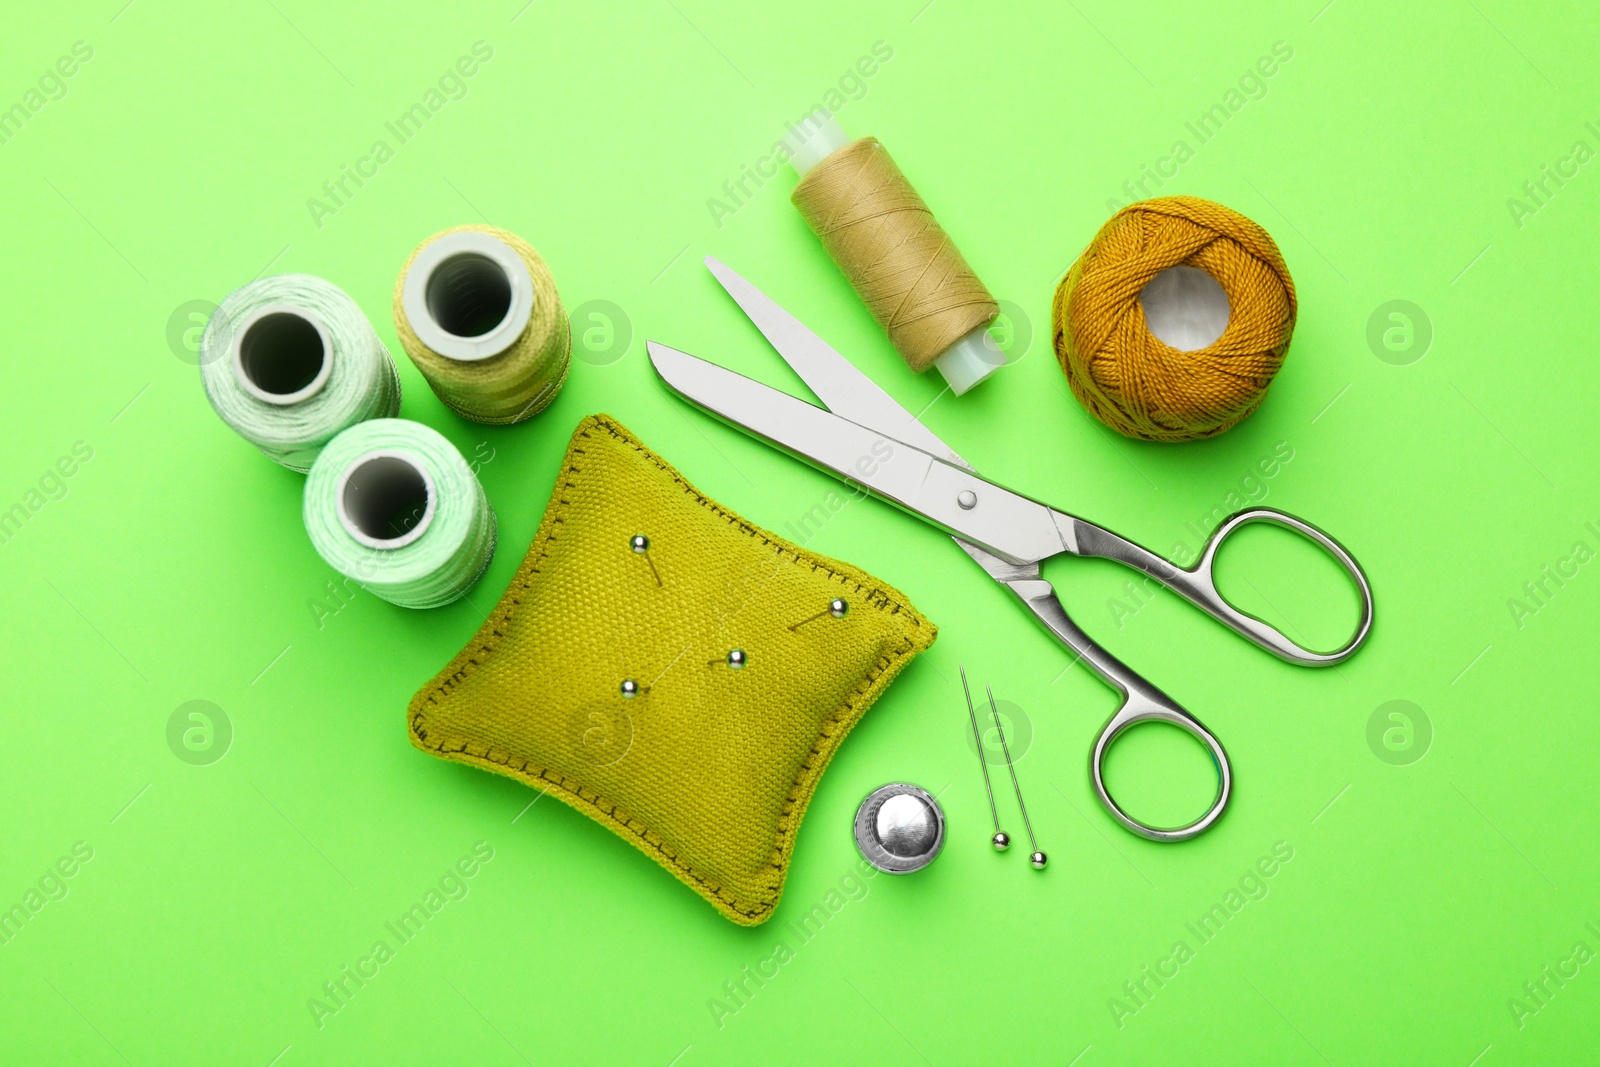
864	437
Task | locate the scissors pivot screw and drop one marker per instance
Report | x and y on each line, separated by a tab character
967	499
630	689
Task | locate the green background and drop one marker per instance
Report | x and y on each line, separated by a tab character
1422	893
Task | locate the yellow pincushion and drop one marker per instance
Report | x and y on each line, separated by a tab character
708	769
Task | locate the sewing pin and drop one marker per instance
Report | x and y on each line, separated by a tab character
641	545
837	607
1001	839
1038	859
735	659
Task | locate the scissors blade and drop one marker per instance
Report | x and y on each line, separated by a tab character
952	497
838	383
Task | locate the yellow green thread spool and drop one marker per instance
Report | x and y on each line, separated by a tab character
477	311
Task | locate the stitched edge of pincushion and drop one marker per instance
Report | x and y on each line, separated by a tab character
573	792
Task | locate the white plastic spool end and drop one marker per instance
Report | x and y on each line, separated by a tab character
818	136
970	360
468	296
385	499
281	354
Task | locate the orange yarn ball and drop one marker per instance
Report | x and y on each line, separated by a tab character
1133	381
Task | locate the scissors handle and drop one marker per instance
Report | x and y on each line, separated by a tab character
1198	585
1142	702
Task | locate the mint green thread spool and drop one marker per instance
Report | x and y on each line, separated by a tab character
290	361
393	505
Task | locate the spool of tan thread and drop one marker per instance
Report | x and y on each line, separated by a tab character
1172	323
894	253
478	313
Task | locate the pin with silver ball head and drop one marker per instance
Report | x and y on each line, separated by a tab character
641	546
838	607
1037	858
1001	840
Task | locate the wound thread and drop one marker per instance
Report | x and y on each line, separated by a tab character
1136	383
893	251
477	311
290	361
392	504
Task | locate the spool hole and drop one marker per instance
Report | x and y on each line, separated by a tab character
386	500
468	294
1185	307
282	354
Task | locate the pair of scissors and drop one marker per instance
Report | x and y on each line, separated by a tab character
1008	534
